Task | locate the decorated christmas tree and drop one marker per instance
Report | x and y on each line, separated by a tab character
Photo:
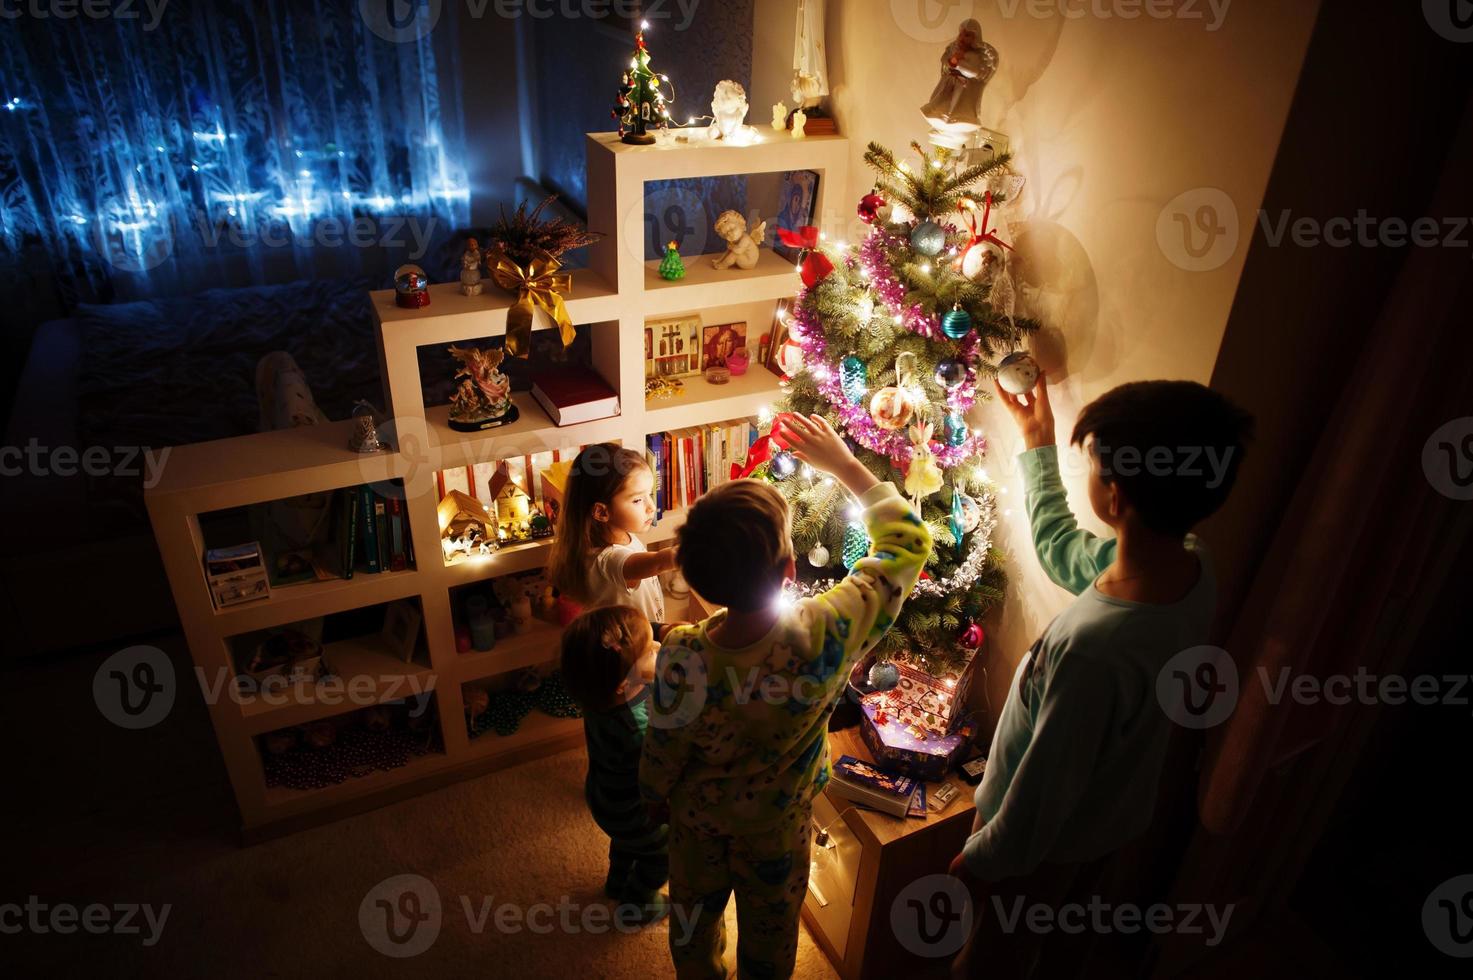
640	104
900	335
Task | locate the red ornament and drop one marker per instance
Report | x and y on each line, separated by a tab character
972	637
869	208
815	266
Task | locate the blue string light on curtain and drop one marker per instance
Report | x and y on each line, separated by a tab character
229	142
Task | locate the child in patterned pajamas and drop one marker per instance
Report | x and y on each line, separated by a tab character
737	744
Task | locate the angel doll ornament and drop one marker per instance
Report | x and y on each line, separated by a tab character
967	65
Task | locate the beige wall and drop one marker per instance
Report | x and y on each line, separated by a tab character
1110	119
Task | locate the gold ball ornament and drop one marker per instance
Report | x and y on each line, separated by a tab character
891	408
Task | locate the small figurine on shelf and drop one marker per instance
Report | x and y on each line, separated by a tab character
483	400
640	105
513	508
411	287
779	116
728	109
671	267
470	268
800	119
741	244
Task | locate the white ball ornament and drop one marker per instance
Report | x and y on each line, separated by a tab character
1017	373
891	408
819	556
971	513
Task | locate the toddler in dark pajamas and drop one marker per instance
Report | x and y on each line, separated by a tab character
607	661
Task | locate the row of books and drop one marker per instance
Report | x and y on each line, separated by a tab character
371	534
688	462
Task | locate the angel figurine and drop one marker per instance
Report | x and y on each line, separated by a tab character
483	400
967	65
470	268
741	244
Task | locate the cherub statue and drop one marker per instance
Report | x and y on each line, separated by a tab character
484	395
967	65
470	268
741	245
728	109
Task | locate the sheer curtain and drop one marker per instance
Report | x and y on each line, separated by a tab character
225	143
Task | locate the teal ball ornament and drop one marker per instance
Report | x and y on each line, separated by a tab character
884	676
853	379
956	429
956	323
928	238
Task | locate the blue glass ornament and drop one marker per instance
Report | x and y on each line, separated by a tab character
884	676
950	373
957	323
784	464
955	523
856	545
956	429
928	238
854	379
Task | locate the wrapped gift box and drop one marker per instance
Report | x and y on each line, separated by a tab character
937	704
907	748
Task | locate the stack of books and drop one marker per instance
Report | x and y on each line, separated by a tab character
869	785
688	462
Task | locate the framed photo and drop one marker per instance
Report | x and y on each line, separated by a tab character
673	347
401	629
721	341
779	335
795	206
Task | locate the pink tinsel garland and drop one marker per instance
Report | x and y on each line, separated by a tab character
857	422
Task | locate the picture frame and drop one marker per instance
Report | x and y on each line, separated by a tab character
795	206
719	341
401	629
674	347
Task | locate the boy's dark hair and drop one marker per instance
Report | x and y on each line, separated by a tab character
592	669
1172	447
734	546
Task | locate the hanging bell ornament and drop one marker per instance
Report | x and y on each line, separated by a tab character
956	323
856	545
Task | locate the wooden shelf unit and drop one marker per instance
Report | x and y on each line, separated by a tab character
614	296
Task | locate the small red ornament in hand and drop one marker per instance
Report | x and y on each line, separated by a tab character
869	207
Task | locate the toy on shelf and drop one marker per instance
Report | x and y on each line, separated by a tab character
364	437
236	575
513	507
483	400
411	287
640	105
466	527
671	268
470	268
741	244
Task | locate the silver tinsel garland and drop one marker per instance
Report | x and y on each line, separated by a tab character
961	580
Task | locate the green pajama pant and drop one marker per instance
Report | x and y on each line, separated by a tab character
768	872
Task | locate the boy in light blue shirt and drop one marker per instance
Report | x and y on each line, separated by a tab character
1078	749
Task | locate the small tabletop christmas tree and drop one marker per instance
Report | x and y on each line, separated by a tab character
670	266
640	104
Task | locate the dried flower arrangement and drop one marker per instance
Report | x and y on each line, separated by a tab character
522	235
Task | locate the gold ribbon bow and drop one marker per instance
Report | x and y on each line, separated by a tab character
537	287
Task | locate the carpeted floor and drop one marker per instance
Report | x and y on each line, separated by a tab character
96	814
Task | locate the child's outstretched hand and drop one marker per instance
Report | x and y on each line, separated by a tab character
1035	419
814	441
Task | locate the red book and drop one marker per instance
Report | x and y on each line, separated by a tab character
571	395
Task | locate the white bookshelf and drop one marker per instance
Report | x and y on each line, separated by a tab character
613	298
